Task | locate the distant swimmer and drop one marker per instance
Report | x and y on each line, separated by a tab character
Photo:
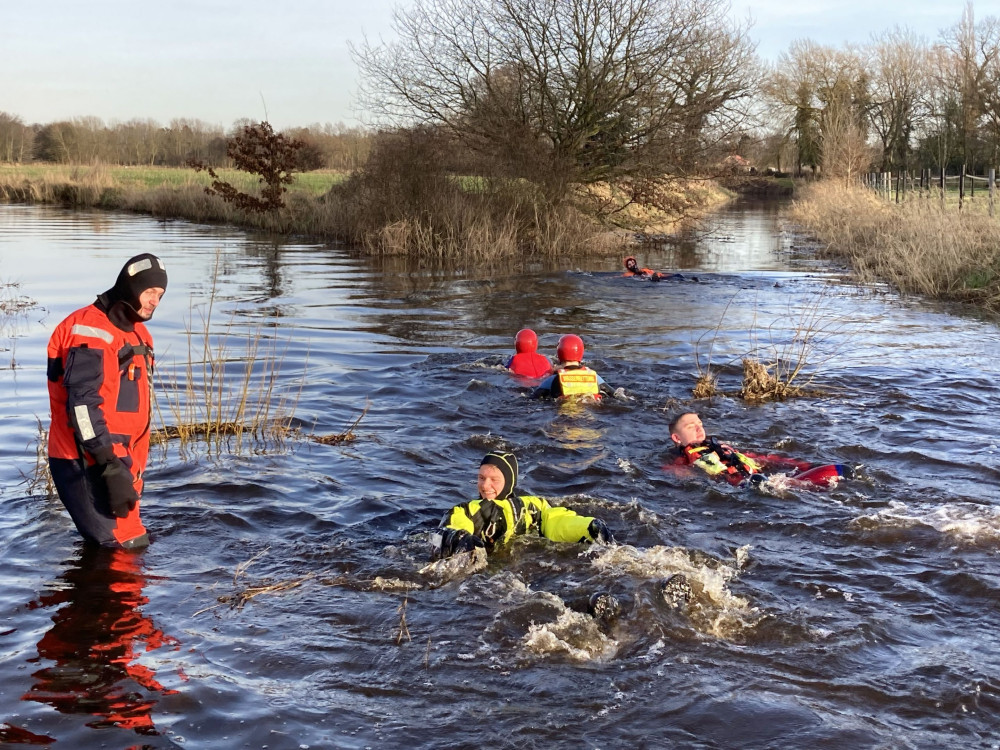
500	513
526	361
722	461
571	378
632	270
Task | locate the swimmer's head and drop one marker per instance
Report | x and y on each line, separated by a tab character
525	341
497	475
686	429
631	264
570	348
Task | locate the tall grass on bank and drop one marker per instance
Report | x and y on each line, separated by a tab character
916	247
403	202
224	394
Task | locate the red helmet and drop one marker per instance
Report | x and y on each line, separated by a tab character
525	341
570	348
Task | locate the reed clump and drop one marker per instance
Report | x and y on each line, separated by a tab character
14	309
40	483
225	394
783	359
918	247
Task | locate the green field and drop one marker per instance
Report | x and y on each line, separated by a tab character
315	183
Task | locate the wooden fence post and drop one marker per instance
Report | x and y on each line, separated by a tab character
961	189
941	184
993	181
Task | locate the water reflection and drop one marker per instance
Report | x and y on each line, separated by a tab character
96	638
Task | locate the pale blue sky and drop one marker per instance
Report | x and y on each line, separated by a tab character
221	60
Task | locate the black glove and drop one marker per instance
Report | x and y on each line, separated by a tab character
122	496
600	532
454	541
757	479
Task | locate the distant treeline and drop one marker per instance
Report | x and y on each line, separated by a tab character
88	140
897	102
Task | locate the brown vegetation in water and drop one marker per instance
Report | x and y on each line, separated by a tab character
783	360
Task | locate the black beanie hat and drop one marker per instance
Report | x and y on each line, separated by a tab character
507	463
139	273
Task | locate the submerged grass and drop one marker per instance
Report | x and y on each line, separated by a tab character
917	247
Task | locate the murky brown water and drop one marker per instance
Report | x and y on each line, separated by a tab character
860	617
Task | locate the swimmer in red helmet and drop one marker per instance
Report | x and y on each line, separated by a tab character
571	378
527	362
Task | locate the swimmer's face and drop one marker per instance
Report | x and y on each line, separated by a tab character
149	300
631	265
490	482
688	430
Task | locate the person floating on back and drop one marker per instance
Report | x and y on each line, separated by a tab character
499	514
632	270
722	461
526	361
571	378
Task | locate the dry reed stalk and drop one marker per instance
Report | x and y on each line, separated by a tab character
403	629
227	396
39	483
243	596
347	435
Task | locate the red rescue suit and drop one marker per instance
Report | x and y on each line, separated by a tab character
720	460
100	381
530	365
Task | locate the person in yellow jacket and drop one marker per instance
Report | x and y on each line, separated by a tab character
499	514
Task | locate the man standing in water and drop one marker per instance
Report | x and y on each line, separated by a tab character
100	364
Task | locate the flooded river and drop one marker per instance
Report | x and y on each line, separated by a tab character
283	602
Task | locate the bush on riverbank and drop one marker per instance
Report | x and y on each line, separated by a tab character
403	202
916	246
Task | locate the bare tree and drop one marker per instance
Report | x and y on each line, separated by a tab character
899	63
15	139
969	54
825	94
567	92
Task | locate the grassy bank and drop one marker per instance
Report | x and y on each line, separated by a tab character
384	210
917	246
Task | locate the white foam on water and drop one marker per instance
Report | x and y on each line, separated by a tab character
713	610
573	634
965	522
